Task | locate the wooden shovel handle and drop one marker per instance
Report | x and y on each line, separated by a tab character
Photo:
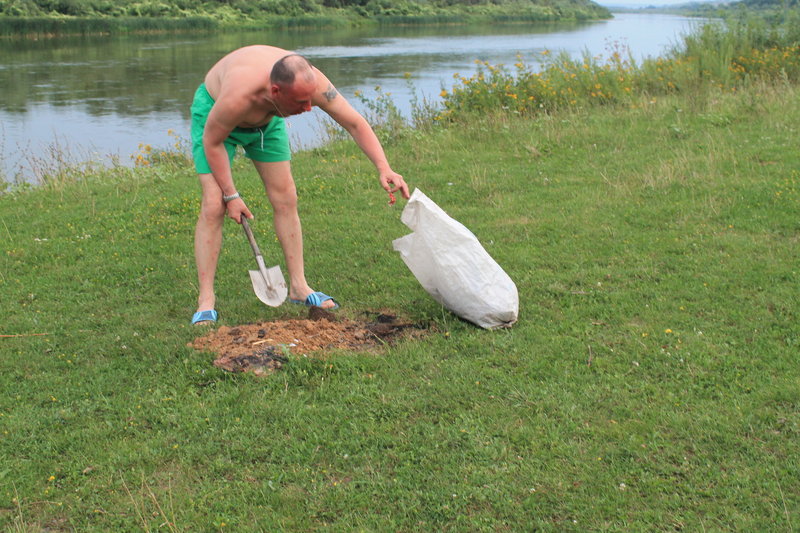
250	237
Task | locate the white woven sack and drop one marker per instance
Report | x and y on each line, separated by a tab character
453	267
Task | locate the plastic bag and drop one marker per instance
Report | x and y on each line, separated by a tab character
452	266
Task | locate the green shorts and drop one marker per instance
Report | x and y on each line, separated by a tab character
268	144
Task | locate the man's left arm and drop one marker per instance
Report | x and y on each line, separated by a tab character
340	110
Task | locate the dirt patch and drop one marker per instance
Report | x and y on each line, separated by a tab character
263	347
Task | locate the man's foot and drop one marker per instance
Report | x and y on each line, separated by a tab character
317	299
205	317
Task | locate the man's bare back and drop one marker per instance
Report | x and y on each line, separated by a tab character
245	73
257	59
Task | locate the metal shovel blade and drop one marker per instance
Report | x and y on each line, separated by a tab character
268	283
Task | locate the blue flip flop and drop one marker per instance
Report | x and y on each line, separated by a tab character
316	299
205	316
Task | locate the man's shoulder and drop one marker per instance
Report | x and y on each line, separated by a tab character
262	53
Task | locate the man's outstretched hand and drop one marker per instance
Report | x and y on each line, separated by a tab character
393	182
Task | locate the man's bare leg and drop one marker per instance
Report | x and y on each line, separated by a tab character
282	193
208	240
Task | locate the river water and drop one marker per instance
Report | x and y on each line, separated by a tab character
98	98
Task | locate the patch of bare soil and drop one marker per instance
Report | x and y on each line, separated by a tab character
261	348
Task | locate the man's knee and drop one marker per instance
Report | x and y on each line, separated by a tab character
281	189
212	208
284	198
211	204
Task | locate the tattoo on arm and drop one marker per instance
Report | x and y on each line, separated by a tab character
331	93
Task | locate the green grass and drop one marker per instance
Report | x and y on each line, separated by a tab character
651	382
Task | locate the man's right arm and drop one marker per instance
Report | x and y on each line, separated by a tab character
224	116
214	137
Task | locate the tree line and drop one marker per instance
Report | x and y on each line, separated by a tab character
226	9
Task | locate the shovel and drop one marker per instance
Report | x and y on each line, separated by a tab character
268	283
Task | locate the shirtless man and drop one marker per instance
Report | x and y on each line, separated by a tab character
243	101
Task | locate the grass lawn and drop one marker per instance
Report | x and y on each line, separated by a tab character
651	383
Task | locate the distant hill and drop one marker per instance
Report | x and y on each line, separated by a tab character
711	7
770	4
644	5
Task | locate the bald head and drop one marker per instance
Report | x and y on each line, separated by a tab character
291	68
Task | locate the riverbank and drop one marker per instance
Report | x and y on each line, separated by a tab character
218	17
651	381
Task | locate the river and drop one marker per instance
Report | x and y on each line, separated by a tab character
99	97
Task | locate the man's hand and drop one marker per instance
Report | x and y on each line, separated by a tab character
392	182
236	208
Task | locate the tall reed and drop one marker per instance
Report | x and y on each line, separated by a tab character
92	25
